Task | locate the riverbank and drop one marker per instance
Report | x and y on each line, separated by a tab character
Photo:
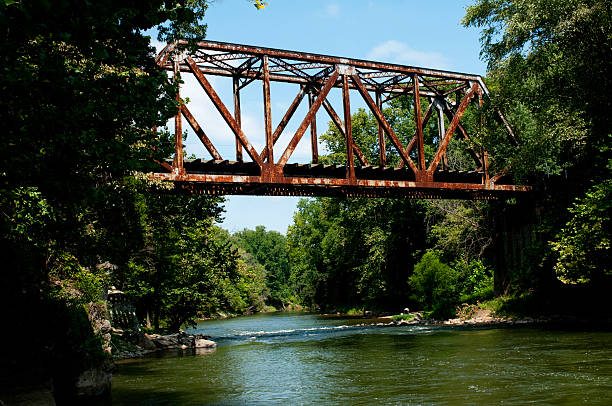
130	344
136	344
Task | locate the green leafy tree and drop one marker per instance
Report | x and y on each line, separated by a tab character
81	93
549	65
269	248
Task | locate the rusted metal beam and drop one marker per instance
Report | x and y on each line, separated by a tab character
306	122
348	128
178	126
413	140
441	130
451	128
200	133
417	121
449	114
250	76
214	97
283	123
317	75
295	68
382	149
332	60
342	182
314	143
267	110
237	115
381	119
340	126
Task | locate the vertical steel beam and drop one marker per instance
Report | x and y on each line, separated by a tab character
441	131
313	130
340	125
285	120
485	168
348	128
382	149
452	127
418	122
267	110
306	122
178	125
237	115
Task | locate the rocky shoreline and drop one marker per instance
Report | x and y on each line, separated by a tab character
141	344
136	344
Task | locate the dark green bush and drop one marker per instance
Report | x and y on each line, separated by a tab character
434	284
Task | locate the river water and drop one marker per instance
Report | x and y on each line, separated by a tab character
295	358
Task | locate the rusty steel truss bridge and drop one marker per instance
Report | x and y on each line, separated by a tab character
447	96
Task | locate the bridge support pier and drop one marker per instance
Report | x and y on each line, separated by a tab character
516	239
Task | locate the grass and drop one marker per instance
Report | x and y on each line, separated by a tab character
402	316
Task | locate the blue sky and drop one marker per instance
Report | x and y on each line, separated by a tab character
411	32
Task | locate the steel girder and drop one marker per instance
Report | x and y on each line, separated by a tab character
448	94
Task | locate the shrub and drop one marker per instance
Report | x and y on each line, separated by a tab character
476	281
434	284
402	316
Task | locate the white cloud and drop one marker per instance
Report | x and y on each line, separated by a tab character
332	10
398	52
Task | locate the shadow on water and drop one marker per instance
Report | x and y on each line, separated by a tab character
151	397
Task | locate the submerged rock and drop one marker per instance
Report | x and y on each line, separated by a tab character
203	343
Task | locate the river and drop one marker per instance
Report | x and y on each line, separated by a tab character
296	358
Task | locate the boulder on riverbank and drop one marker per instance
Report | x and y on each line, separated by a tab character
204	343
133	344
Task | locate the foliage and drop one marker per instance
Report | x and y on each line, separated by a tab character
475	281
75	283
398	317
354	252
549	66
360	252
584	244
467	311
180	265
269	248
549	70
434	284
461	229
81	93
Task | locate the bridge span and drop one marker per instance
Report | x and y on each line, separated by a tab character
435	94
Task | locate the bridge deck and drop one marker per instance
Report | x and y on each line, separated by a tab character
221	177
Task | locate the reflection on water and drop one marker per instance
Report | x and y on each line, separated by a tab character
308	359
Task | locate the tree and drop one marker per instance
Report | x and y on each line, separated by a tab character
358	252
81	94
269	248
549	64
